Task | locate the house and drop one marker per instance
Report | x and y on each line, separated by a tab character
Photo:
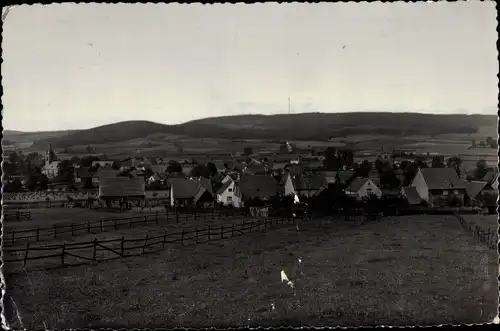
342	177
82	175
258	186
411	195
102	164
363	187
229	194
159	168
306	185
155	178
255	169
438	185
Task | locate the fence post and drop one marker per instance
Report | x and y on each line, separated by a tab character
63	253
222	232
55	230
164	239
145	243
88	226
196	235
232	230
95	250
209	232
182	237
195	215
26	254
72	230
37	233
122	249
176	216
156	217
251	226
145	219
13	236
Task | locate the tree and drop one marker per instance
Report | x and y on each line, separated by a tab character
9	168
379	165
403	164
88	149
247	151
13	186
481	169
87	161
66	171
347	157
455	163
438	161
174	166
364	169
409	172
388	178
212	169
75	160
332	161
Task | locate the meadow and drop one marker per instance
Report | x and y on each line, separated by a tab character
396	271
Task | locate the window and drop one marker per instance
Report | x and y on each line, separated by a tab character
230	190
229	199
445	192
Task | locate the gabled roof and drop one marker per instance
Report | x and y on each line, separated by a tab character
489	176
473	188
183	188
206	183
304	181
442	178
411	195
252	186
224	187
83	172
357	183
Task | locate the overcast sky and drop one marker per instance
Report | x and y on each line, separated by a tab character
68	66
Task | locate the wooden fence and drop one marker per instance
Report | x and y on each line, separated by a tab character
104	250
16	237
488	237
17	215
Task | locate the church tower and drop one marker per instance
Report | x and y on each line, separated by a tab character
50	155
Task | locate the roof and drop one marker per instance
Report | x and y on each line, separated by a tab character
473	188
313	181
252	186
121	187
357	183
206	183
184	188
279	165
159	168
489	176
442	178
257	169
411	195
224	187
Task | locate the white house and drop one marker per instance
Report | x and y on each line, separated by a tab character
435	185
362	187
229	193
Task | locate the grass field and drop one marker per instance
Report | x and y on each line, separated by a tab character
405	270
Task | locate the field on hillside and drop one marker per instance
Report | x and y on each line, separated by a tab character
399	270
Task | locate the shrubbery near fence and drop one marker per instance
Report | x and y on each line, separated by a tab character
488	237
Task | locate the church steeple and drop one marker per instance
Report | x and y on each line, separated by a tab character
51	155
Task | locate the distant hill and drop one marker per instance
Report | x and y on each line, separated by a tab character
307	126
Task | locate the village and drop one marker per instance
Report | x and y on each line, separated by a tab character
239	181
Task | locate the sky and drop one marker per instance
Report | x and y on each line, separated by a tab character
76	66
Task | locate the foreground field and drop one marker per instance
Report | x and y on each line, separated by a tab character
406	270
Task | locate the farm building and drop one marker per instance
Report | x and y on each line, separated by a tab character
333	177
411	195
186	192
438	186
305	185
258	186
123	189
363	187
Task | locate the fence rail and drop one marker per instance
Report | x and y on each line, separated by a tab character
16	237
104	250
488	237
18	215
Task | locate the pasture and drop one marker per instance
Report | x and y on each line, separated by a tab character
397	271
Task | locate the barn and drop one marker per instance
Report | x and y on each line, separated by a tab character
122	189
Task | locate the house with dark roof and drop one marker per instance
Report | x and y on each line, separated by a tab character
438	186
473	190
363	187
258	186
307	185
121	188
186	192
343	177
